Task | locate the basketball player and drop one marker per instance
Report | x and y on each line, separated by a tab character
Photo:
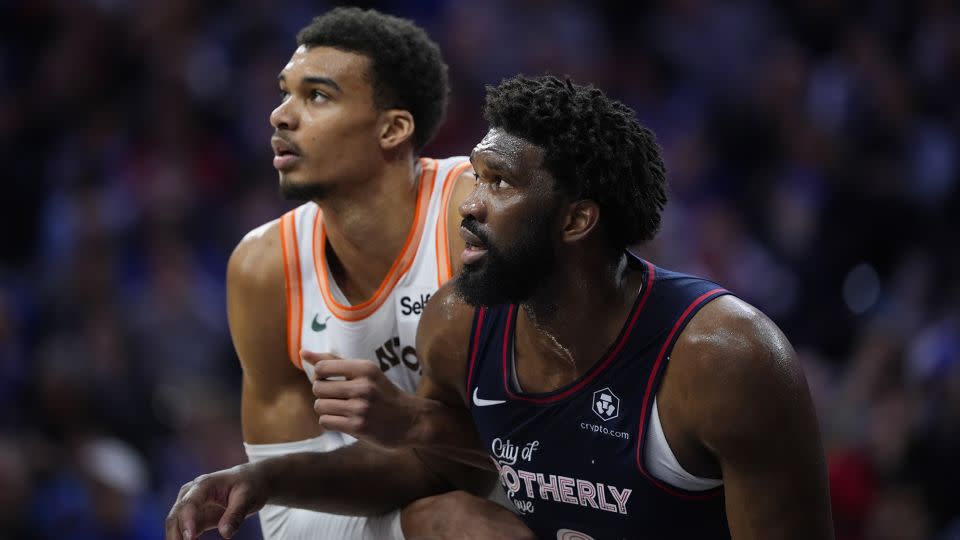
615	398
349	272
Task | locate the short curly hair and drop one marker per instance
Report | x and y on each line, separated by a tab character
408	71
593	145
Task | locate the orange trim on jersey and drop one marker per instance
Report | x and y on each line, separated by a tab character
444	268
403	262
293	285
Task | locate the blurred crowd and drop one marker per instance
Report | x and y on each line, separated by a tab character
812	150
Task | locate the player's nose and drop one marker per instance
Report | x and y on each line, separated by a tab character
284	116
473	206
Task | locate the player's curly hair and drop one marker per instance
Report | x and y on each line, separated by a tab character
593	145
408	71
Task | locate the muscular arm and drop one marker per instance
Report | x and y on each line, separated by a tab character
276	402
445	424
360	479
400	475
734	390
354	397
369	408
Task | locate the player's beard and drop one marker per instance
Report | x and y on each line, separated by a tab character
302	190
509	274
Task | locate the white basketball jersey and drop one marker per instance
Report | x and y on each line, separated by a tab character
384	327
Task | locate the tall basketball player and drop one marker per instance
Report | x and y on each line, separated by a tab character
615	399
349	272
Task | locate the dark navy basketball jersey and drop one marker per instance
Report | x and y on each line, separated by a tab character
571	459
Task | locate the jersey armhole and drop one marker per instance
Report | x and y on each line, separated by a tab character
293	285
653	382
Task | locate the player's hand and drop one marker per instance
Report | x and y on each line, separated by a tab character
220	500
362	401
459	515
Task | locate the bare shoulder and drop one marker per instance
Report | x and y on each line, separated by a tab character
446	322
257	260
443	337
738	370
731	334
740	394
256	299
276	402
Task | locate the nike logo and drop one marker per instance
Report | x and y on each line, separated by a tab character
485	402
318	326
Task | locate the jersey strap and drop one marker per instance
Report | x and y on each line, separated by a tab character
292	284
444	269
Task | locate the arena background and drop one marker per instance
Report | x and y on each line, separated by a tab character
812	149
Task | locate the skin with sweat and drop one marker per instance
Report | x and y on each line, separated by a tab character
733	402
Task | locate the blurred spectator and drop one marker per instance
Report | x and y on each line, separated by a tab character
102	493
15	492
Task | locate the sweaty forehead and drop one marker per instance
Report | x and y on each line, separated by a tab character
512	151
348	69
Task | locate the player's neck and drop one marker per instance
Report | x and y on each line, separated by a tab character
565	328
367	227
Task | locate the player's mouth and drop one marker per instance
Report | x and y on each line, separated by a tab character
474	250
285	153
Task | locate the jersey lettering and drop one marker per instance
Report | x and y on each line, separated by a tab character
388	356
413	306
572	459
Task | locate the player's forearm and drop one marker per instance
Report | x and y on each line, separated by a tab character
449	432
457	514
355	480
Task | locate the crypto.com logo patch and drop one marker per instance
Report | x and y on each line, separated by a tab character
606	404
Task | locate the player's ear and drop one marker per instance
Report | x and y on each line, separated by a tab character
581	218
396	128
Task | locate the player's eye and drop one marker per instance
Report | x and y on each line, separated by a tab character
317	95
284	95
